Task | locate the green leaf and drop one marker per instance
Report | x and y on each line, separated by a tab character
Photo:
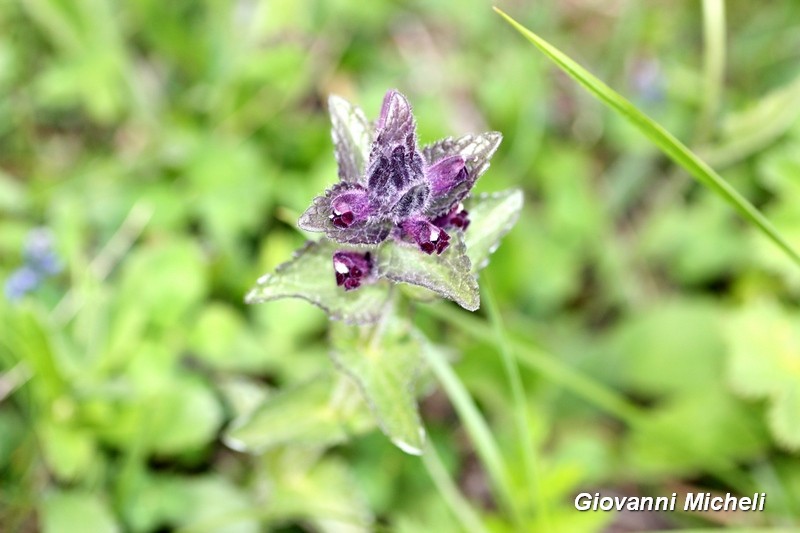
384	361
449	274
221	339
184	417
164	281
491	216
328	497
76	512
310	276
692	432
764	347
218	505
765	362
665	141
68	452
314	413
647	357
783	416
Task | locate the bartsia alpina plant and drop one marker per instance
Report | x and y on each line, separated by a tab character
400	213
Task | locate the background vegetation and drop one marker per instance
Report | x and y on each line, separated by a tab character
165	149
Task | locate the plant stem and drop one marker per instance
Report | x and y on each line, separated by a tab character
713	64
459	506
479	432
596	393
520	409
542	362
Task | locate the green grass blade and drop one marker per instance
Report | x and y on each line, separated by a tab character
524	431
478	429
459	506
665	141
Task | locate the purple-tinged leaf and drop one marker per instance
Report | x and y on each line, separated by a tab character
412	202
396	122
343	213
449	274
476	150
352	137
310	276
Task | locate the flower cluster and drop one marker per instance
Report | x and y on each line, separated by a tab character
394	189
41	262
400	213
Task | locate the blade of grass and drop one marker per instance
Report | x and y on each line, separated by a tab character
547	365
477	427
524	432
713	64
664	140
459	506
595	393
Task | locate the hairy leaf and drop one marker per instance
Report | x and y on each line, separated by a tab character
491	216
309	414
317	217
384	361
352	135
395	123
310	276
449	274
476	150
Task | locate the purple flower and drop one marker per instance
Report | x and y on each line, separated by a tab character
390	187
351	268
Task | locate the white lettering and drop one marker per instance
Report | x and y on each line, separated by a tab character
730	499
716	503
583	501
694	502
744	504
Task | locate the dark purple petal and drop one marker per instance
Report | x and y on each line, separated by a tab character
400	173
412	202
349	207
446	174
428	237
458	217
351	268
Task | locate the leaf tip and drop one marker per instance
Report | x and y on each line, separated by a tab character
415	448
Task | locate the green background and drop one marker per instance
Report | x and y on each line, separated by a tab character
170	147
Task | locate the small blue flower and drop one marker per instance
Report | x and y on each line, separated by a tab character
22	281
41	262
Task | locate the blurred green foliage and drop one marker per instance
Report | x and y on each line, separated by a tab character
170	146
